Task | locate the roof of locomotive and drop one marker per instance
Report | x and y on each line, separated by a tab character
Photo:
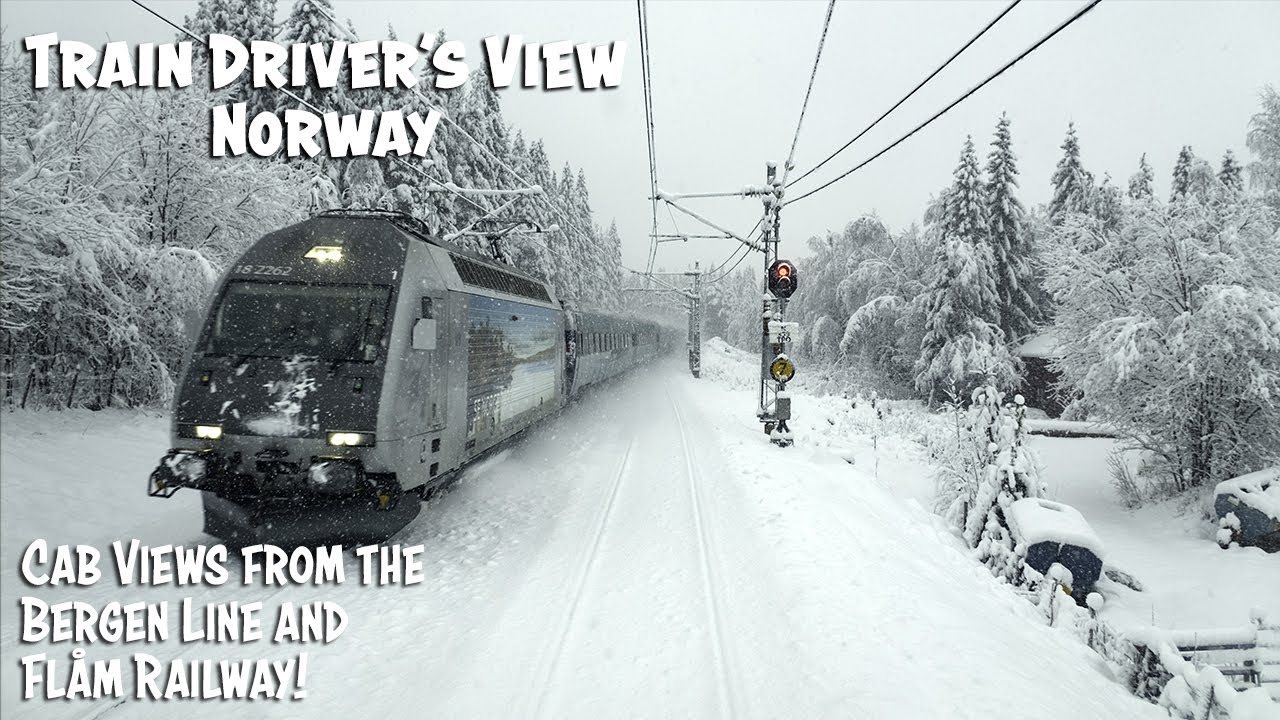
417	230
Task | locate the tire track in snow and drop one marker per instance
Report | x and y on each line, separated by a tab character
729	703
550	659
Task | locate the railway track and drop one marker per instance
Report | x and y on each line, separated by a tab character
552	658
712	583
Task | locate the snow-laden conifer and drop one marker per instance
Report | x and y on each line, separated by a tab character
1141	182
1009	237
1072	184
963	345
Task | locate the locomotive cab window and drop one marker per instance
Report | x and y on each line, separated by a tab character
428	310
331	322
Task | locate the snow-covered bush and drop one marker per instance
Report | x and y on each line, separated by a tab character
985	466
1170	330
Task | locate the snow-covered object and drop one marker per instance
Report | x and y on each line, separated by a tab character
1191	689
1249	507
1036	520
1069	428
1052	533
1043	345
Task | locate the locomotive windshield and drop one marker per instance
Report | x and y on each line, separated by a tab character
333	322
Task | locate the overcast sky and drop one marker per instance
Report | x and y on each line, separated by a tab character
729	78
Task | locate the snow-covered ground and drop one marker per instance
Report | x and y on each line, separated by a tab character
646	553
1188	581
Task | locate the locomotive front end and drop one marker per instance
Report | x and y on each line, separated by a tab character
277	417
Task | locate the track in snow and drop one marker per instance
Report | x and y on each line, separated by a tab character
643	554
547	668
711	586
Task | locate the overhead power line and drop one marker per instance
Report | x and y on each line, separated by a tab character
642	20
906	97
1061	26
822	39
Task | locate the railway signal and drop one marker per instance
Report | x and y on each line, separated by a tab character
782	279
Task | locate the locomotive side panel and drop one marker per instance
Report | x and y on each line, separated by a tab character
414	405
513	365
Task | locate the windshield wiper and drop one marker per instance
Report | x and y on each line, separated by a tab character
291	332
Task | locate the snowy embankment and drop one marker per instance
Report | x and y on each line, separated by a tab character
646	553
1188	582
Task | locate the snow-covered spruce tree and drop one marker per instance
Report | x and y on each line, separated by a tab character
479	163
1107	203
403	177
307	24
963	345
1182	174
1170	327
246	21
612	255
1010	241
1202	181
1230	174
1072	184
439	210
1141	182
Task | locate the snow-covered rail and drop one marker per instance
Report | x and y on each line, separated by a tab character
728	697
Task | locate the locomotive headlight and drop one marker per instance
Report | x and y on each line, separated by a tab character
325	253
208	432
200	432
350	439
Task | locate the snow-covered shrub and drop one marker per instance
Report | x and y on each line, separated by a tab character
825	340
1124	480
1170	330
985	467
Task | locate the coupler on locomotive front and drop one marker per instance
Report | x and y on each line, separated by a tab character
285	493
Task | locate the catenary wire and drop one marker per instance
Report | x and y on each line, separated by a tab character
822	40
1061	26
906	97
642	21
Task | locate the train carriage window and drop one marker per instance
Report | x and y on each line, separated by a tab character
427	309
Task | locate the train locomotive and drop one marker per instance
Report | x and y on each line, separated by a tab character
352	363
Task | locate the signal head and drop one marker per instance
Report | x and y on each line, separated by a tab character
782	278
